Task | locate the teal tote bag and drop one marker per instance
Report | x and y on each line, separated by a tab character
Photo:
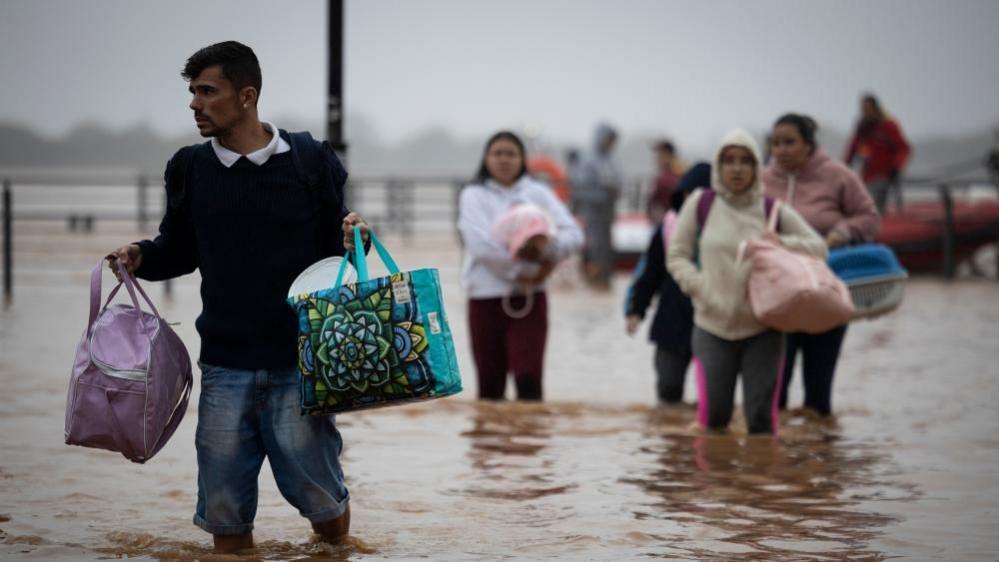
374	342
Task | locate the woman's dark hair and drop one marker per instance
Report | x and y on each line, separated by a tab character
873	100
239	64
807	127
483	173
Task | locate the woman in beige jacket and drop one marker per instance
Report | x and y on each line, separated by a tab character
727	339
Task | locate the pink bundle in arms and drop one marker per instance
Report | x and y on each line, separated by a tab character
791	291
525	229
521	224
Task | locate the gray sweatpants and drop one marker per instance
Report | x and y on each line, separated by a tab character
598	219
759	360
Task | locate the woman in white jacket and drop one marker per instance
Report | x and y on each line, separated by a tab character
727	338
500	342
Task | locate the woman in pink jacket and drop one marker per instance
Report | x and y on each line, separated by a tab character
835	202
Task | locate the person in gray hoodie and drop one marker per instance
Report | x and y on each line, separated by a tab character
727	338
595	192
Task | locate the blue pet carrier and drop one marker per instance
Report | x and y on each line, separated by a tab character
875	278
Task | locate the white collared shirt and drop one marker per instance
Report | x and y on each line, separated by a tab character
489	269
258	157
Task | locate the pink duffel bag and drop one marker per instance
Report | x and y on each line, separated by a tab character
131	376
793	292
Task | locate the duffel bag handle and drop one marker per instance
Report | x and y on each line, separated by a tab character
95	293
130	283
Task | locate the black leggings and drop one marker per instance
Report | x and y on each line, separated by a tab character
671	372
820	352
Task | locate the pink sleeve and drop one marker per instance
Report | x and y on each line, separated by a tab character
861	221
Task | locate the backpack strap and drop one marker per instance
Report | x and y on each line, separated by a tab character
768	207
318	166
704	207
669	225
179	172
708	198
307	157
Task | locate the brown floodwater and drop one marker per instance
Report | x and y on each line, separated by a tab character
907	469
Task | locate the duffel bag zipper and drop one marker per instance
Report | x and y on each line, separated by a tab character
138	375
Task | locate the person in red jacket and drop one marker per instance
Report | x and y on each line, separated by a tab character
879	142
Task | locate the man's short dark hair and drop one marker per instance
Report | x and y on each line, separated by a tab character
239	64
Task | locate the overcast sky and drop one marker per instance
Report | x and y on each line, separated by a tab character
689	69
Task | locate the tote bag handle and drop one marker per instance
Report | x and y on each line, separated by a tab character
360	261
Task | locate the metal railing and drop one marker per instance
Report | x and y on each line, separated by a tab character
8	243
393	204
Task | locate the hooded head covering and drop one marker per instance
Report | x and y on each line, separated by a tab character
738	137
600	136
598	172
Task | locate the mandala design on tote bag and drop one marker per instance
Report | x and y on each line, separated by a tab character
363	343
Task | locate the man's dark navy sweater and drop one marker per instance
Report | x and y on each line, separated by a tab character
250	230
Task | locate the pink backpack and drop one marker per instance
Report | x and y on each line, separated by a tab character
669	225
131	377
793	292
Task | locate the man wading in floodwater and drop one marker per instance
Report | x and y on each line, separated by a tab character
240	211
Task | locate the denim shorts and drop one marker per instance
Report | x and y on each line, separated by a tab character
244	416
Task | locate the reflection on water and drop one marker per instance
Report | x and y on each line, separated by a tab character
507	453
481	480
784	498
775	497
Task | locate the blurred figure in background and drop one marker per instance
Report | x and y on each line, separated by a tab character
573	171
664	183
879	143
674	319
992	160
727	339
833	200
492	275
595	194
